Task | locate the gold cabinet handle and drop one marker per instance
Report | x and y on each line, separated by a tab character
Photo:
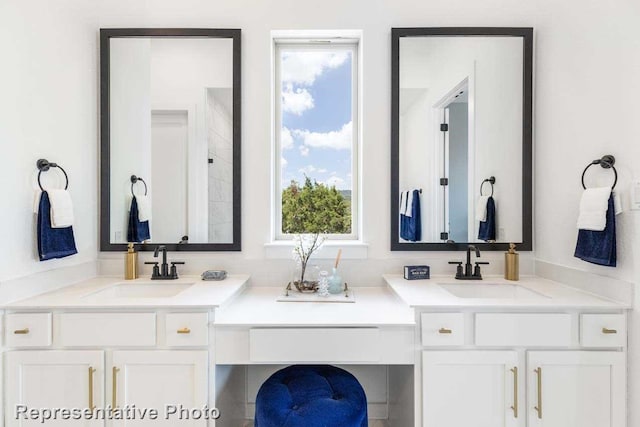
24	331
609	331
184	331
444	331
91	372
538	408
515	391
114	391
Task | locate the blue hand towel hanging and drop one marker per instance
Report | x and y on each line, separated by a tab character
487	229
52	242
137	231
411	226
599	247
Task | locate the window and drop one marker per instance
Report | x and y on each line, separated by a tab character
316	136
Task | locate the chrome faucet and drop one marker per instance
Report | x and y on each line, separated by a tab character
470	272
163	272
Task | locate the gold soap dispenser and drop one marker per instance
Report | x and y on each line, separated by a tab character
512	263
131	263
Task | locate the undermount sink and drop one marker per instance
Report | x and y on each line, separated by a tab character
141	290
490	290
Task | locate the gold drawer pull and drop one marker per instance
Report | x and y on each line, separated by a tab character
444	331
91	372
184	331
24	331
609	331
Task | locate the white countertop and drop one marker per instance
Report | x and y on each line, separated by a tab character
374	306
427	294
82	295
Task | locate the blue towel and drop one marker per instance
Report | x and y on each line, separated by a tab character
487	229
52	242
411	226
599	247
137	231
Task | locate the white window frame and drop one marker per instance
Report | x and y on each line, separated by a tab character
351	39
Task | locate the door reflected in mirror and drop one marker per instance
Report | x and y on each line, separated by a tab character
171	125
462	138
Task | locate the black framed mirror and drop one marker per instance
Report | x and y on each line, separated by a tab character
461	138
170	122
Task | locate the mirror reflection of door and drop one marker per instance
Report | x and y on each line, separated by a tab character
456	115
169	141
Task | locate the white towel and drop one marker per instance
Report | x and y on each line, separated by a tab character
409	210
593	209
403	202
61	208
36	201
144	208
481	208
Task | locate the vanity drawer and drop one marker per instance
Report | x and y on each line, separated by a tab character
107	329
603	330
553	330
186	329
28	329
317	345
442	329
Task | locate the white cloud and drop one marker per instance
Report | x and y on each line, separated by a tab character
322	171
336	181
296	101
338	140
283	162
286	139
304	150
307	170
304	68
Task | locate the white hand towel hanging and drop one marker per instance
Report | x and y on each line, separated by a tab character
144	208
403	202
408	212
481	208
61	208
593	209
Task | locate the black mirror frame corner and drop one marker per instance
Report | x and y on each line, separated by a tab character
527	134
105	35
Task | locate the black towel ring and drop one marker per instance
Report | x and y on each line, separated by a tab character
135	179
44	165
491	180
606	162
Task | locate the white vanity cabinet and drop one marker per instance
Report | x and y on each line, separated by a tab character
523	369
147	359
155	379
470	388
53	379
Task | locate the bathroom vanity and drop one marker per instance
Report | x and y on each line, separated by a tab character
435	353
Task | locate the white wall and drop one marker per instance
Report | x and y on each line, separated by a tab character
48	108
586	92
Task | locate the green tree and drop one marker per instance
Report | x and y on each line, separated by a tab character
314	208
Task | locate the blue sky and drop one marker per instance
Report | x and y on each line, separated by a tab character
316	117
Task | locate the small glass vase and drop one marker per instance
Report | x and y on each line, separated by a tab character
335	282
308	282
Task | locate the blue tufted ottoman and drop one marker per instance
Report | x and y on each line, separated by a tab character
311	396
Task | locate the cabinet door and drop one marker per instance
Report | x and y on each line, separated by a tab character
154	380
51	380
471	388
576	389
